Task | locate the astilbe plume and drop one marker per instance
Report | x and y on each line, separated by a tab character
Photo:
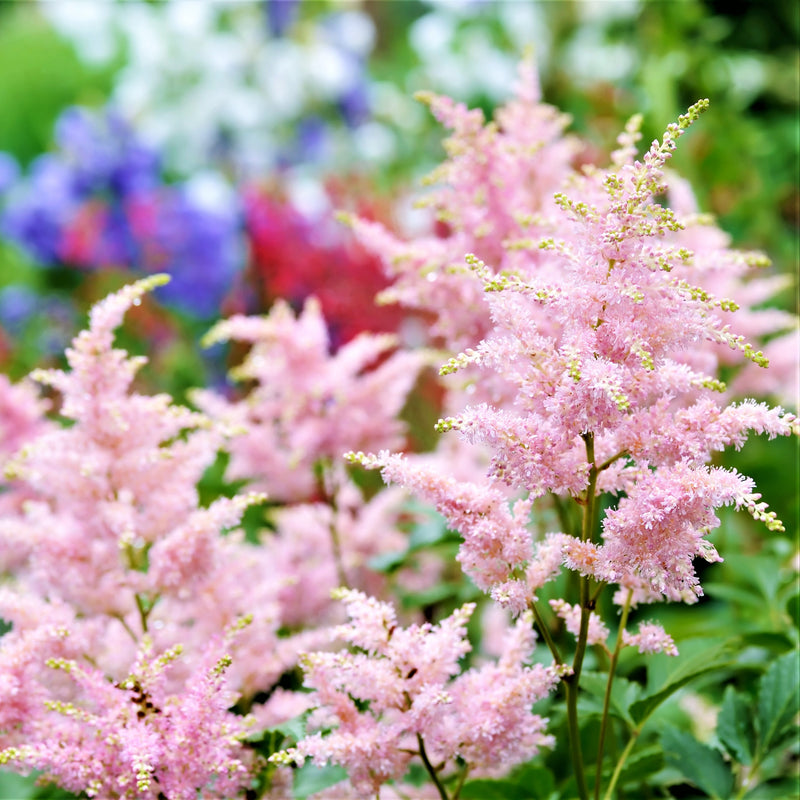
306	405
123	570
401	694
503	192
496	186
593	342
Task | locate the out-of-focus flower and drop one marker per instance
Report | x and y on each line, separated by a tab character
295	255
100	201
234	82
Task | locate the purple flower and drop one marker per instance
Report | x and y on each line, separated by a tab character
198	246
105	154
100	200
9	171
35	217
281	15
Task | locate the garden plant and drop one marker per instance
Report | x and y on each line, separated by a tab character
301	584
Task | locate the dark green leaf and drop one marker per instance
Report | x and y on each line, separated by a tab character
697	762
735	726
493	790
525	783
310	779
778	699
539	781
684	672
793	609
742	595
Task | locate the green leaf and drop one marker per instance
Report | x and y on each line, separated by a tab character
735	726
778	699
641	766
697	762
485	789
387	562
311	778
539	781
623	692
741	595
793	609
526	783
685	671
429	531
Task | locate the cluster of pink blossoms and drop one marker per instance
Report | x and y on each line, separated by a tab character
139	616
590	323
417	703
588	365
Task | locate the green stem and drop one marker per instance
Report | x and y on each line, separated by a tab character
546	635
328	489
571	682
607	699
621	763
431	769
143	611
461	779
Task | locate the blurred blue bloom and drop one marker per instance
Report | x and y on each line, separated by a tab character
104	154
17	304
198	247
100	201
9	171
36	217
281	15
354	104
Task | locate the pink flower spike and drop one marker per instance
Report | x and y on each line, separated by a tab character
651	639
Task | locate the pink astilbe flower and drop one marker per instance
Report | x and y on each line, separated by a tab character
401	695
651	639
307	405
571	614
122	563
133	738
594	340
496	187
496	539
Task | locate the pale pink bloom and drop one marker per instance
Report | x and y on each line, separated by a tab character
307	406
571	614
650	639
132	737
405	684
496	539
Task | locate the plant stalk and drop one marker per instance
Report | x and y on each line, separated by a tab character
607	699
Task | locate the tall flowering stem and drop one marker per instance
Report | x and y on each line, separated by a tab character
594	374
612	668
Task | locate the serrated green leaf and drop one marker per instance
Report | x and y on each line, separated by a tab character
698	763
735	726
311	778
778	700
684	672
